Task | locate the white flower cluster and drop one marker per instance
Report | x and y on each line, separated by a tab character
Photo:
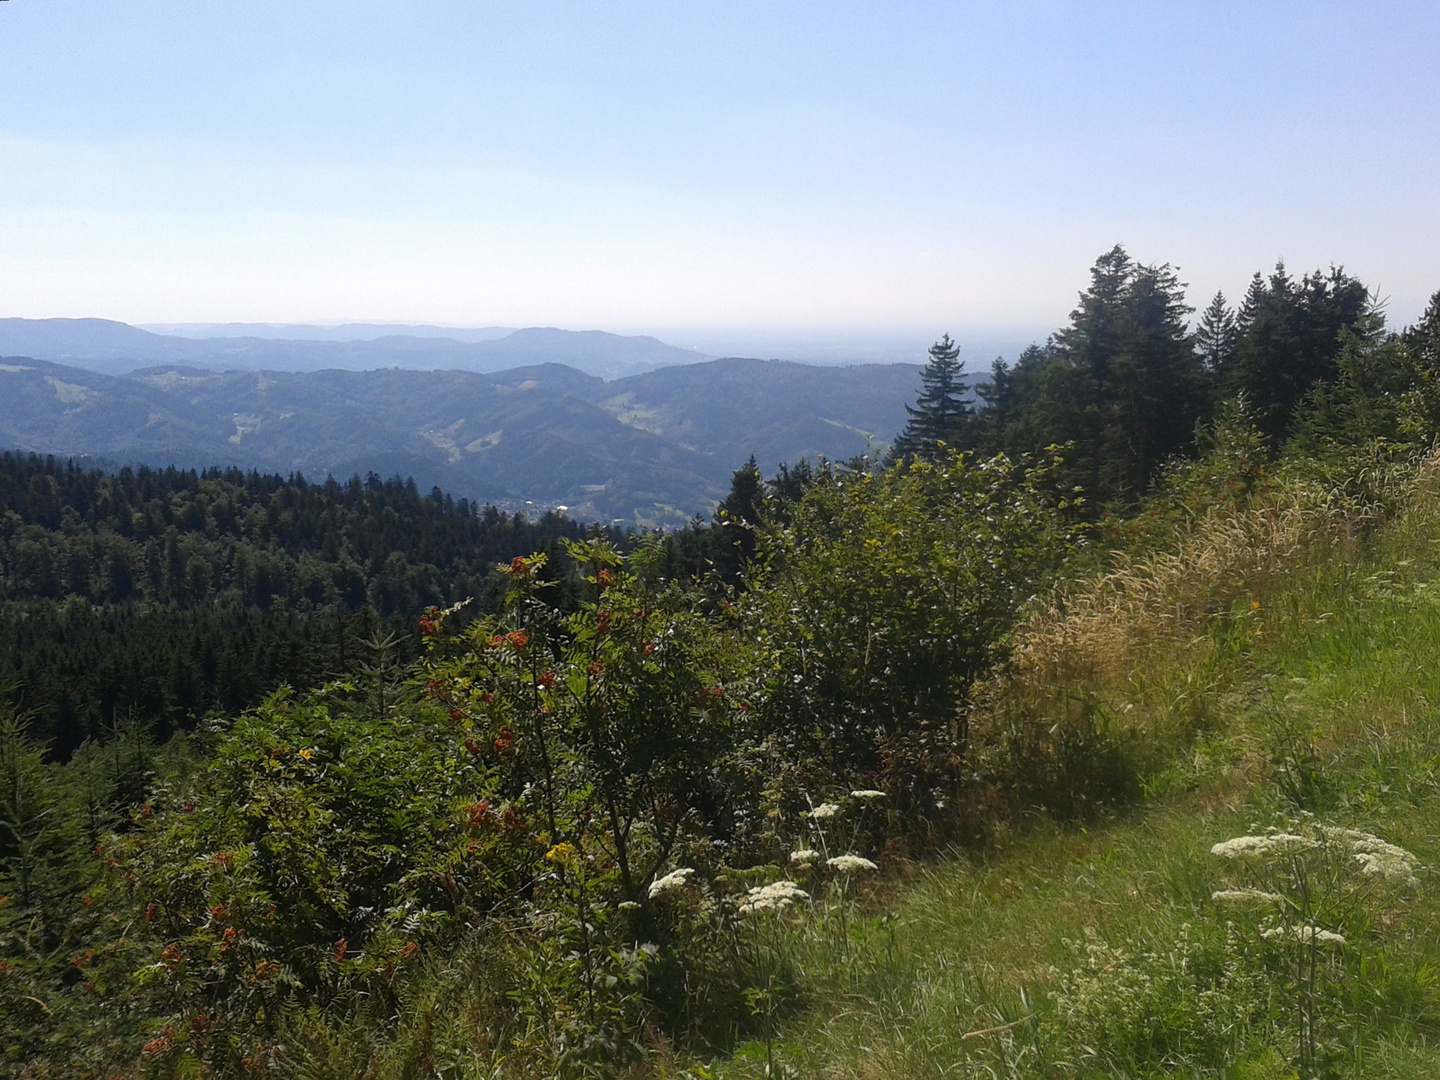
825	811
776	897
867	795
1246	897
849	864
1264	847
671	882
805	857
1375	856
1303	934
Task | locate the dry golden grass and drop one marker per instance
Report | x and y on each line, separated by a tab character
1093	632
1096	631
1146	650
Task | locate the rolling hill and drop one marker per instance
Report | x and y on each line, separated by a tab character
649	449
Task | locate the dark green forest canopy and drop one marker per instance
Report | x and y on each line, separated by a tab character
166	594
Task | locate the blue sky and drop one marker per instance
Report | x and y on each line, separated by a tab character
789	168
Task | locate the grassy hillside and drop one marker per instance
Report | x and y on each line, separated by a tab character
1277	668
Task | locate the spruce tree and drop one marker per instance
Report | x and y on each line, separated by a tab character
940	413
736	519
1290	340
1423	339
1217	336
1121	386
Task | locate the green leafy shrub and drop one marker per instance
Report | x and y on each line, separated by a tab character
881	599
322	844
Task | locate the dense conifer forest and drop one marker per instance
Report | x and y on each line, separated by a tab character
273	804
1128	386
161	596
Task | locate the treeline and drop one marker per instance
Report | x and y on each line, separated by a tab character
163	595
1129	385
226	536
1130	389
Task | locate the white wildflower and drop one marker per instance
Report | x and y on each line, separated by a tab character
1398	867
1261	847
775	897
629	905
867	795
1239	847
1375	856
805	857
1282	843
1303	934
1246	897
1354	836
849	864
825	811
671	882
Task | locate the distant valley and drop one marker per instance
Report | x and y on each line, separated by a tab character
649	449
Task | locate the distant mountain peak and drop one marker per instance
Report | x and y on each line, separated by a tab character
115	347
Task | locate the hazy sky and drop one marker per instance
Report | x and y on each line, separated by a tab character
801	167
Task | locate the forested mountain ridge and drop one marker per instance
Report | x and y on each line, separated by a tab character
649	449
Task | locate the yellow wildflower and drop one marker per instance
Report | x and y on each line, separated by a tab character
561	854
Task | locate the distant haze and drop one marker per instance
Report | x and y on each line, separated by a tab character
343	331
978	347
115	347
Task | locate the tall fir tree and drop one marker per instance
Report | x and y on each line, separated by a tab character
1217	336
940	413
1290	340
1423	339
1121	384
736	519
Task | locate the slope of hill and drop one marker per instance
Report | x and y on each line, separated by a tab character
1273	674
651	449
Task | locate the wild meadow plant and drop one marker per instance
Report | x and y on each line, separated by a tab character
773	919
1295	919
1307	885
